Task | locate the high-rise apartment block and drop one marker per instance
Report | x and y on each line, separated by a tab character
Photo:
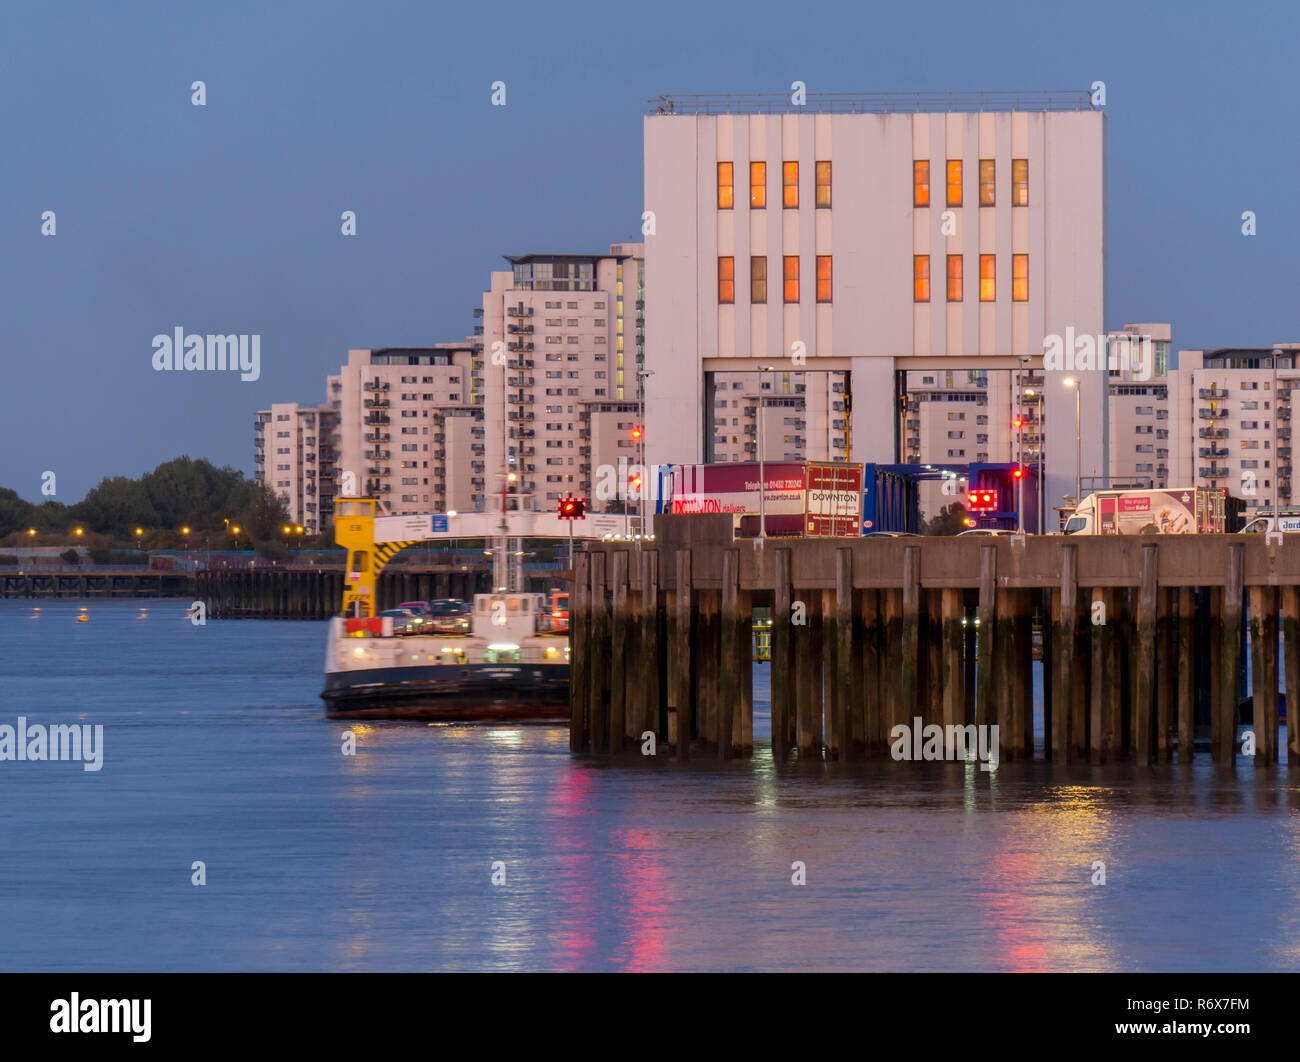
563	340
857	240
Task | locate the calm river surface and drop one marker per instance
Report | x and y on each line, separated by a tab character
215	749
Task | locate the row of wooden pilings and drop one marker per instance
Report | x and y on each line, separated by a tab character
317	593
1142	642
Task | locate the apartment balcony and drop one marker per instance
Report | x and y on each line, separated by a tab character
524	433
1212	414
1283	413
376	470
310	473
1283	433
1212	451
440	454
377	436
1212	472
1283	453
519	311
377	454
378	418
377	403
1213	433
1212	393
478	311
373	487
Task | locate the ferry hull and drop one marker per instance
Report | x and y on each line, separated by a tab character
452	693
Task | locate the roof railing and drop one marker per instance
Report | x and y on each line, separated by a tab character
871	102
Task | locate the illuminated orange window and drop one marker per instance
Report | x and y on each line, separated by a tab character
921	277
1020	278
988	278
790	265
954	278
726	279
790	184
1019	182
726	186
921	182
988	170
823	278
954	182
758	278
758	184
823	184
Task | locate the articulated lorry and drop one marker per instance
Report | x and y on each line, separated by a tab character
1172	511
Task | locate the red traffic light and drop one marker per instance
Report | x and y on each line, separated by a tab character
982	501
1018	473
1018	423
636	432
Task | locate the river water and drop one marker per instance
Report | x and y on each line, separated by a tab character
215	750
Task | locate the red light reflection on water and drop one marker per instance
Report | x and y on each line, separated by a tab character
573	809
1009	913
644	885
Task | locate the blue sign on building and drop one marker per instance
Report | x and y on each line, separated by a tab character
439	525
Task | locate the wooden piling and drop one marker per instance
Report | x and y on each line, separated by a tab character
987	617
651	676
782	660
731	639
954	693
1263	694
875	733
1291	667
1144	713
910	622
1167	675
683	664
618	691
1225	738
580	645
1186	706
805	688
1063	664
598	654
844	691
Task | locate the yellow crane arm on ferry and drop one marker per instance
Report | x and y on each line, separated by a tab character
373	540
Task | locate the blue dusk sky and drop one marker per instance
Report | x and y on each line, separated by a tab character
225	218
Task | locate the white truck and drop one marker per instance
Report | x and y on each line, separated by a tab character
1172	511
1287	520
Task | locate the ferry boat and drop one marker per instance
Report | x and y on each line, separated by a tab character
511	665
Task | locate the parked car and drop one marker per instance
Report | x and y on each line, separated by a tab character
986	532
409	618
449	615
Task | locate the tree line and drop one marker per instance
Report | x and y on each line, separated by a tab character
177	494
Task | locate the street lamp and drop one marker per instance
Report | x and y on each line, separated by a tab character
1277	407
641	375
762	478
1070	381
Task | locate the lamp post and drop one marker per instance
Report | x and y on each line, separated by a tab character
641	376
1070	381
1277	408
762	477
